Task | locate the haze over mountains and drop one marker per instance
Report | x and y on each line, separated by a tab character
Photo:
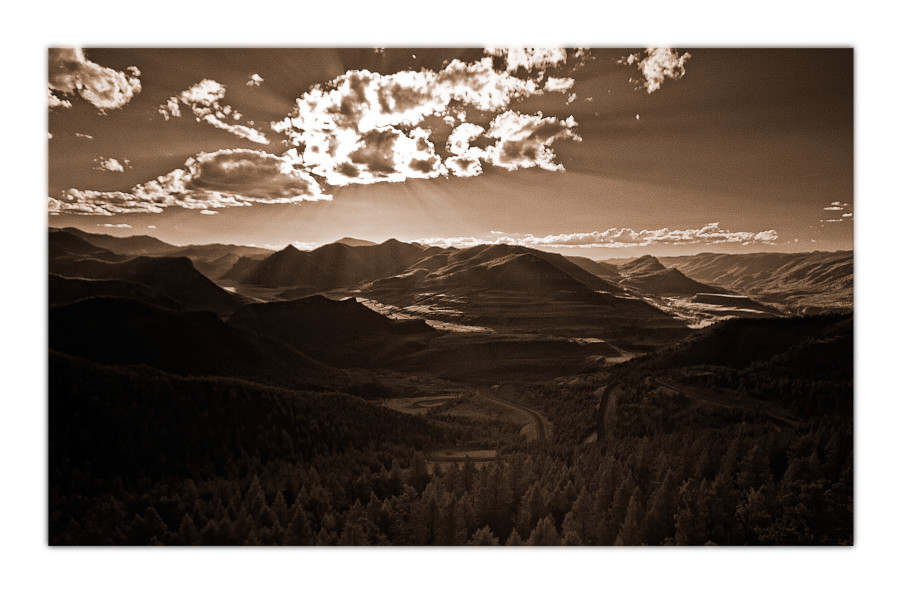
799	282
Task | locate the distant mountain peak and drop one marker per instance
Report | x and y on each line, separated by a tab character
642	265
352	241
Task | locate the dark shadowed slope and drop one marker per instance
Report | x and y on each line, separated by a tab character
62	244
741	343
132	245
800	282
175	277
667	282
342	333
213	260
740	302
125	332
62	290
120	422
606	271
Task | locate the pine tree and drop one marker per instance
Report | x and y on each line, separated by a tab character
483	536
514	538
545	533
280	509
299	531
187	531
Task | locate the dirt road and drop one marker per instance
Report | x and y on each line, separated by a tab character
542	425
606	414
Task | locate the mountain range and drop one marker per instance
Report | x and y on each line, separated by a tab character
357	304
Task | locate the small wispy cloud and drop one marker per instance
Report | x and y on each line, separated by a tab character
203	99
254	80
838	206
83	136
558	84
121	225
110	164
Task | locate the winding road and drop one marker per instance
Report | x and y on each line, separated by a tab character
542	425
542	428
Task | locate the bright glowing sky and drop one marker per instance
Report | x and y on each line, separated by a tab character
601	152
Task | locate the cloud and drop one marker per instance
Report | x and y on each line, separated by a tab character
209	212
121	225
558	84
170	109
203	100
657	64
521	141
467	159
529	58
362	127
109	164
711	233
226	178
55	101
83	136
838	206
254	80
304	246
524	141
70	73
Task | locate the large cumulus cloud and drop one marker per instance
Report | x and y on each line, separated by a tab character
226	178
71	73
363	127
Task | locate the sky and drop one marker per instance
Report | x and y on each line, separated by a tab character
595	152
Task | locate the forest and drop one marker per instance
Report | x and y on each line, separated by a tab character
764	457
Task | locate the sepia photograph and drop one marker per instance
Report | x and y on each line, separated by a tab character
474	296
